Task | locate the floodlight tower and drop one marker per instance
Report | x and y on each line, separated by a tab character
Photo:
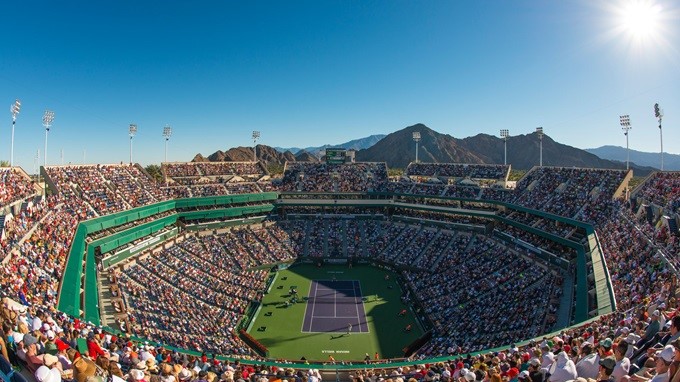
659	116
416	139
47	120
167	132
133	131
14	109
505	134
625	125
256	136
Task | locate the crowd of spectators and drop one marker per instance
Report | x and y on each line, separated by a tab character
106	188
566	191
198	169
32	273
662	189
493	285
413	250
15	185
322	177
459	170
485	298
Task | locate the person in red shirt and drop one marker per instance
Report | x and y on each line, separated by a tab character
93	348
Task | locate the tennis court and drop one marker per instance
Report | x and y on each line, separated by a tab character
334	305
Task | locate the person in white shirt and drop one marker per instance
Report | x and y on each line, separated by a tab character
563	369
589	365
622	362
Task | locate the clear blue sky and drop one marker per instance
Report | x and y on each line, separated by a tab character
313	72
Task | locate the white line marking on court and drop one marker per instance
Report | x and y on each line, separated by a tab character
302	330
362	304
334	317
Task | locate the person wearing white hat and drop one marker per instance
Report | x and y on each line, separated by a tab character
663	361
136	375
45	374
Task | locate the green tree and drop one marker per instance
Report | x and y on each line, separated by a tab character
274	168
395	171
4	163
516	175
154	171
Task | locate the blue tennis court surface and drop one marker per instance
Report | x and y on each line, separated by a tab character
335	306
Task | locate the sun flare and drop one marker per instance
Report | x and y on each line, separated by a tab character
640	19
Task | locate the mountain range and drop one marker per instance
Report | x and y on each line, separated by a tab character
398	150
671	162
356	144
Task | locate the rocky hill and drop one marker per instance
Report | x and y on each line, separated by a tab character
398	150
245	154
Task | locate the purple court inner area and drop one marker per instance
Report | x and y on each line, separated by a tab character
334	306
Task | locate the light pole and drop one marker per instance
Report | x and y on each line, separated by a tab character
505	133
659	115
47	120
36	162
416	139
539	131
133	131
256	136
14	109
625	126
167	132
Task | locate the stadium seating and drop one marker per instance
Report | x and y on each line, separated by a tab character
483	282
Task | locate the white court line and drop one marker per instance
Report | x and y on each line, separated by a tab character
335	317
302	330
311	320
362	304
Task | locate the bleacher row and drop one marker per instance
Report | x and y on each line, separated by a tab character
642	280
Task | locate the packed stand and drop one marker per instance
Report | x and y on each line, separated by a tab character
321	177
107	188
14	186
662	189
566	191
483	299
459	170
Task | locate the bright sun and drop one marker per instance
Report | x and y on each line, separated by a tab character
640	19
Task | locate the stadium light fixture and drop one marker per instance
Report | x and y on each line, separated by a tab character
505	134
626	127
658	113
539	131
14	109
133	131
167	133
416	138
48	118
256	136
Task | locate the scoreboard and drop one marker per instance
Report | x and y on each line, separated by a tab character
335	156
